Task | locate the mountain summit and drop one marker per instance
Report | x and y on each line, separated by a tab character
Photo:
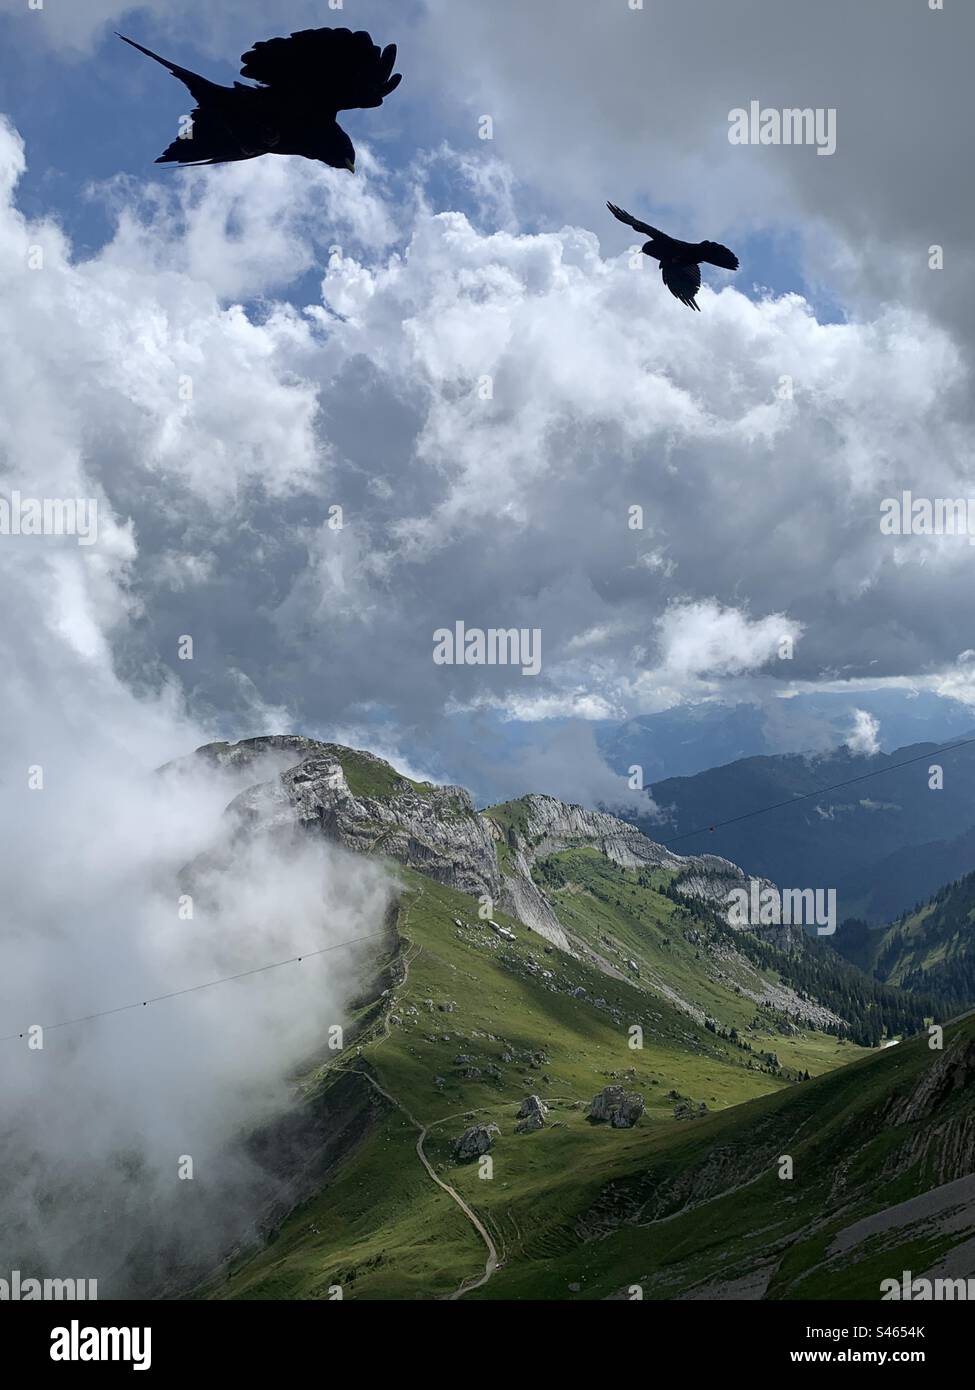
360	801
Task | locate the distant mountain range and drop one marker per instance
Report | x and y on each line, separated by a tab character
885	843
691	738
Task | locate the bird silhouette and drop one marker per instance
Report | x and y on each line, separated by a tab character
305	81
680	261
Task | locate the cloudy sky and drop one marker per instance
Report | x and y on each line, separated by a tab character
458	349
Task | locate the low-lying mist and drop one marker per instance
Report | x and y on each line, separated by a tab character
101	1125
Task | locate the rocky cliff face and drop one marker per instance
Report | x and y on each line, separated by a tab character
536	826
361	802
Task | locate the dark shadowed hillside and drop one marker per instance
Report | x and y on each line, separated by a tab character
931	948
885	843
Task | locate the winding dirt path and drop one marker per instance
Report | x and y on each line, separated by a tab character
491	1263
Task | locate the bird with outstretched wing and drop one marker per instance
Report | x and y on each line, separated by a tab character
680	261
304	81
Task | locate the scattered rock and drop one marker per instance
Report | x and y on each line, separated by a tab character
613	1106
629	1112
503	932
531	1115
687	1110
474	1142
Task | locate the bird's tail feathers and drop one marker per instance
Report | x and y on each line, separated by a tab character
175	163
211	144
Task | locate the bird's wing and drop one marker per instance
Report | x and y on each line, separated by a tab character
216	141
716	254
346	68
683	281
200	87
633	222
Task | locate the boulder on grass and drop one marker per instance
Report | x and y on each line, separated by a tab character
615	1107
474	1142
531	1115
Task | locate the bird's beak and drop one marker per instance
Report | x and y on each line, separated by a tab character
350	165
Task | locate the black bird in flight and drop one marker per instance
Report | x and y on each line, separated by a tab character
305	81
680	261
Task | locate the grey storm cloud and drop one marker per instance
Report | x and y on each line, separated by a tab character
590	98
488	406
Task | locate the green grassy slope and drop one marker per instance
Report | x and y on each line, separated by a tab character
932	947
370	776
704	1211
478	1024
623	915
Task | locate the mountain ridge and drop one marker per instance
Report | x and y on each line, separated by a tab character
483	1014
358	799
